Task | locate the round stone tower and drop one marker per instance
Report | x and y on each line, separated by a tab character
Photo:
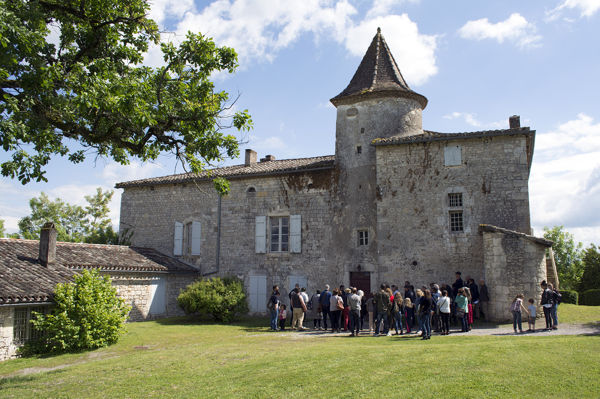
376	104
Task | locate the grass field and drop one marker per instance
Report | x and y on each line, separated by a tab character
181	358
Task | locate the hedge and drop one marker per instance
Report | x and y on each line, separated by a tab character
590	297
570	297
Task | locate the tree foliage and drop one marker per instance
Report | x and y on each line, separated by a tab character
222	298
73	223
591	273
72	83
2	228
87	314
567	256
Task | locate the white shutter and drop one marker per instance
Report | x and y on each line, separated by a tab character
195	241
178	239
295	234
452	155
260	234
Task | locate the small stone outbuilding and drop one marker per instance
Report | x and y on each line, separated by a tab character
29	271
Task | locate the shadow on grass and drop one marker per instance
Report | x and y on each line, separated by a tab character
247	323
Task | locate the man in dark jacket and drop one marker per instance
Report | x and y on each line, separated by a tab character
381	302
324	301
459	283
474	296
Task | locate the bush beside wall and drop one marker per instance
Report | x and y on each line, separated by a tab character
569	296
590	297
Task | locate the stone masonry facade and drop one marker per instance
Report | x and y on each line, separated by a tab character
396	202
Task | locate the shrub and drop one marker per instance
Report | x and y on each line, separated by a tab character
222	298
88	314
569	296
590	297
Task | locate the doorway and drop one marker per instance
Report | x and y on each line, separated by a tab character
362	281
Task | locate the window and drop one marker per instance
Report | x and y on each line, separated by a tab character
452	155
186	238
363	237
455	200
280	233
359	149
23	330
456	221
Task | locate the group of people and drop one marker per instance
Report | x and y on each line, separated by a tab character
550	300
412	310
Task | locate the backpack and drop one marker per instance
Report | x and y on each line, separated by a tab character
557	297
514	307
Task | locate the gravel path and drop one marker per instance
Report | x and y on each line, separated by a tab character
506	329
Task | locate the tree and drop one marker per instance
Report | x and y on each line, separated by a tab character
567	256
86	91
1	228
591	272
73	222
87	314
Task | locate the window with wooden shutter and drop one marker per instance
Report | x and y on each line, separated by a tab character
195	238
178	239
296	233
260	235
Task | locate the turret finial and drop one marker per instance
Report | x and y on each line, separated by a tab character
378	30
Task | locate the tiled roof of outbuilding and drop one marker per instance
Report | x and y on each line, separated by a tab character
378	74
275	167
428	136
24	280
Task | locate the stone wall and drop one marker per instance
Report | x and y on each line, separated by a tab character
7	348
413	233
151	212
137	290
513	264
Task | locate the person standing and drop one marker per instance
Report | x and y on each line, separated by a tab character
381	303
304	296
484	300
547	304
290	294
344	293
532	310
556	298
443	304
462	309
316	311
273	306
515	308
371	310
324	300
336	305
397	310
299	308
475	299
426	309
355	306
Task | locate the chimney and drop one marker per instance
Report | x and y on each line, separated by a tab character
514	122
47	244
250	157
267	158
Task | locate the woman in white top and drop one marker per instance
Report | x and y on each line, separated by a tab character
335	311
443	305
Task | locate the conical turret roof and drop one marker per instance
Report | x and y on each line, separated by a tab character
377	75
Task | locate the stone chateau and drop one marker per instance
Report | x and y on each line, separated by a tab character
396	202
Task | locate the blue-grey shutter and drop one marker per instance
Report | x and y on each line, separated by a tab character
178	239
260	234
295	234
195	241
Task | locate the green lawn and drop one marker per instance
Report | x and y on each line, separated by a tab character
180	358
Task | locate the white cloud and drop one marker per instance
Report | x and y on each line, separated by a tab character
514	29
385	7
114	172
587	8
162	9
259	29
414	52
471	119
565	178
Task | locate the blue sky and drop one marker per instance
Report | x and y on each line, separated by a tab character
477	63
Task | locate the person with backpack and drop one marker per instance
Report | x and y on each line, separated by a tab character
299	309
547	304
324	300
381	303
515	308
273	306
443	305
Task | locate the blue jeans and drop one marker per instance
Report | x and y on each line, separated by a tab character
382	316
554	314
355	321
325	316
397	321
426	324
274	314
517	320
464	322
